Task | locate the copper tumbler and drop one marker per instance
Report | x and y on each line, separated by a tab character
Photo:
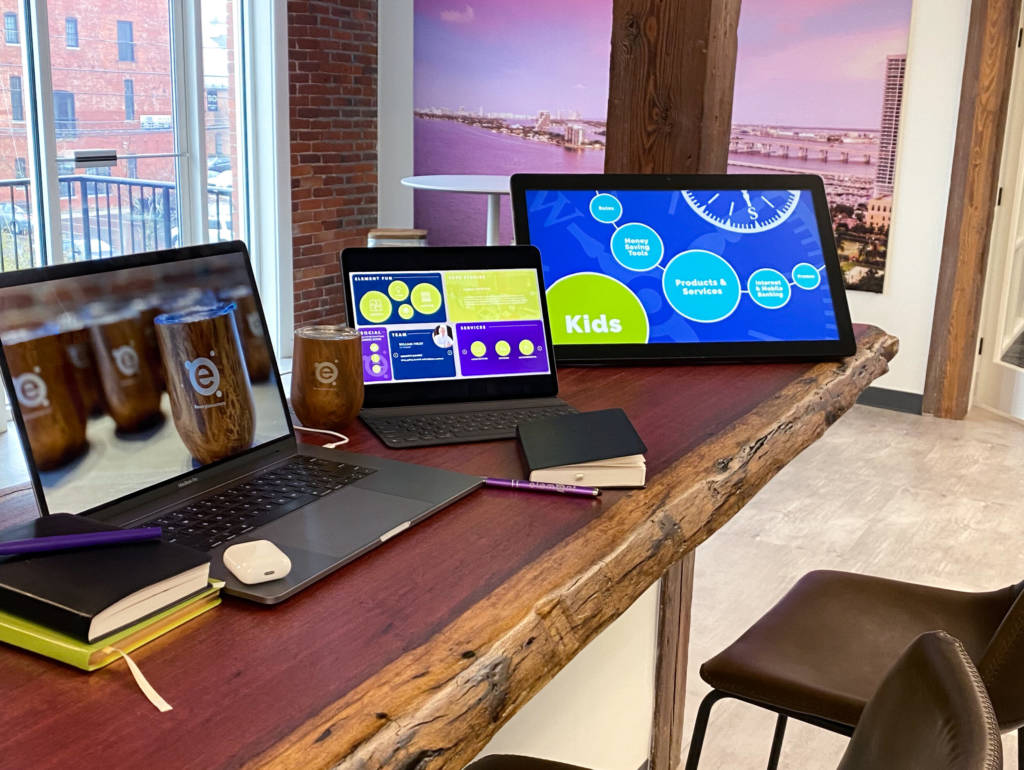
47	394
250	329
327	376
130	385
207	381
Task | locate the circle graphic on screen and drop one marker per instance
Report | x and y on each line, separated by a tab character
502	348
406	311
769	288
526	347
637	247
375	307
743	211
426	298
806	276
701	286
398	290
605	208
478	349
591	308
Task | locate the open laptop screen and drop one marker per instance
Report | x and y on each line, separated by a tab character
435	325
131	377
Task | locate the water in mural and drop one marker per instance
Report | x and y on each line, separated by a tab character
505	87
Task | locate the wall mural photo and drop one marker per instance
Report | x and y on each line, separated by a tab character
503	87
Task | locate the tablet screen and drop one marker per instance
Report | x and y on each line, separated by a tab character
436	325
636	266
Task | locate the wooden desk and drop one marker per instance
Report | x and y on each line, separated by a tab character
413	656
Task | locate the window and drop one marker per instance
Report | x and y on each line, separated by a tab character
20	169
71	32
132	167
129	99
17	100
64	113
11	28
125	41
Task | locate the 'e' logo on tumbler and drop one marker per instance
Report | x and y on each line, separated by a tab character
30	389
326	372
204	376
126	360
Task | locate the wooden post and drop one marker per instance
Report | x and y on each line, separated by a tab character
673	66
984	96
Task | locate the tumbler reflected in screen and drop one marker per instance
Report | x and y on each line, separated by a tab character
250	329
131	388
327	376
47	393
207	381
74	337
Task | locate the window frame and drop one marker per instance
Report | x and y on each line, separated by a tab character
126	47
71	23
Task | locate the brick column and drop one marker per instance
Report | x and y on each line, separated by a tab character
333	109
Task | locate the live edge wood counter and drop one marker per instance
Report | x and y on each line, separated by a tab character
413	656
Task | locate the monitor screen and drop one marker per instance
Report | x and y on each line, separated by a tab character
131	377
640	266
444	325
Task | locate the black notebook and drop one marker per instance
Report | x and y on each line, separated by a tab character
599	449
89	593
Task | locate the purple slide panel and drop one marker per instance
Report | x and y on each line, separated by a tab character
501	347
376	357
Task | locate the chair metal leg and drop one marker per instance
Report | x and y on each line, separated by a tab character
780	733
700	727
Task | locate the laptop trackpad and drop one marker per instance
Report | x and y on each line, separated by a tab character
342	523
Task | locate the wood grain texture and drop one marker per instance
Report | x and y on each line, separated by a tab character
674	614
670	86
984	98
413	656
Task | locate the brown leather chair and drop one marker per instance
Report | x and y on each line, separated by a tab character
820	653
930	711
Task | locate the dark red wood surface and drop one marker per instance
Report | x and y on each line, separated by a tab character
244	676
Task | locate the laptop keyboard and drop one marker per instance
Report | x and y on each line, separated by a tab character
214	520
400	432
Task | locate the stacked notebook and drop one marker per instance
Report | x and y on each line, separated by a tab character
595	449
86	606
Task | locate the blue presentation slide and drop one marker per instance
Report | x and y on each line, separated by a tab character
676	266
414	356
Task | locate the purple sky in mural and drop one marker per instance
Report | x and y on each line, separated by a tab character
802	62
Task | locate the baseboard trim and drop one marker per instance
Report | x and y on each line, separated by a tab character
893	400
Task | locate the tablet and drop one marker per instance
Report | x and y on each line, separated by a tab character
709	267
449	324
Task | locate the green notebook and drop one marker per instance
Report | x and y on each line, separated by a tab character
89	657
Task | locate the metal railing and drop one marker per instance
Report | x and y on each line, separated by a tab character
103	217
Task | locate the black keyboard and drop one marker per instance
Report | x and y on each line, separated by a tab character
207	523
400	432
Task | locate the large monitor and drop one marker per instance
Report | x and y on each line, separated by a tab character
136	371
691	267
449	324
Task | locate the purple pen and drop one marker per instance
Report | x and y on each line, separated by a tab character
84	540
542	486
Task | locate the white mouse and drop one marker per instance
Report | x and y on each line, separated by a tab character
257	561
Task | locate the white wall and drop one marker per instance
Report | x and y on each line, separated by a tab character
394	108
931	98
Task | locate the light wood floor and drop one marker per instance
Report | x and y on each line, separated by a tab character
901	496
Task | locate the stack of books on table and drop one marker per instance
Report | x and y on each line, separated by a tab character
86	606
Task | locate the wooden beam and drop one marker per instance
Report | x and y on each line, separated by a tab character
670	87
673	67
984	96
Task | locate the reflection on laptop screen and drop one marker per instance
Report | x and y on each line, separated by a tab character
129	378
449	324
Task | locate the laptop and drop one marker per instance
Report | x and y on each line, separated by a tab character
90	374
456	342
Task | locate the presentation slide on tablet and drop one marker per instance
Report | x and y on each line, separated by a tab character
681	266
449	324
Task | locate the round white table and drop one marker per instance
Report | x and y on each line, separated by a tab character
491	185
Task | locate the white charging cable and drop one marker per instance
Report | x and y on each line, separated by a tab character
332	445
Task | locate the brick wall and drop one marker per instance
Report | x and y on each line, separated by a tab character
333	103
